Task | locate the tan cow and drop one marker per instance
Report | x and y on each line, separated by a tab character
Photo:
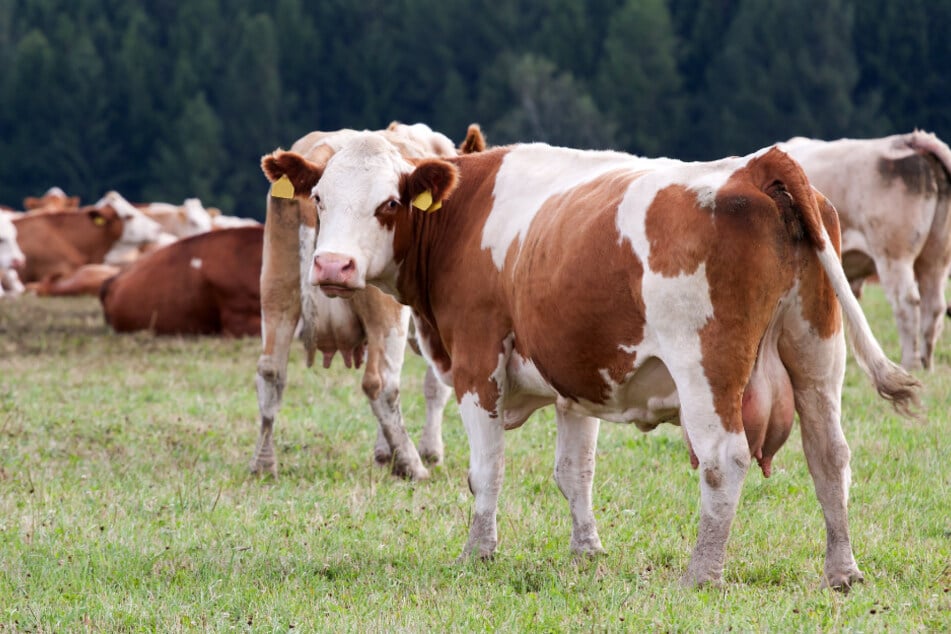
205	284
893	196
57	244
55	199
541	275
369	324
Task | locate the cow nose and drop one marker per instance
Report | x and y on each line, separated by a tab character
18	263
333	269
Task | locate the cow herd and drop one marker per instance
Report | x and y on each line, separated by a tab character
711	295
59	247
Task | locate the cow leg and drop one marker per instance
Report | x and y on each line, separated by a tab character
931	285
827	455
437	395
381	384
486	471
10	283
898	281
280	312
723	459
577	440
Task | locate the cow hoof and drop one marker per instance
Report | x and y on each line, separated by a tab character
694	580
588	550
431	456
408	472
382	457
262	468
842	581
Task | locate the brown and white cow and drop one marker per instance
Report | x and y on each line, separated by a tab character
618	288
57	244
893	196
203	285
55	199
11	258
368	324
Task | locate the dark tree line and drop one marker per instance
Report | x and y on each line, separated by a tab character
163	99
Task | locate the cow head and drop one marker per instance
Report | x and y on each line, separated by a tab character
137	228
11	257
197	218
365	188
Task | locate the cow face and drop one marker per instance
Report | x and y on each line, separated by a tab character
10	254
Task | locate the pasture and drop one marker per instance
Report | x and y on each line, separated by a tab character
126	505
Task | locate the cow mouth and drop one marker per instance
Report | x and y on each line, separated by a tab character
337	290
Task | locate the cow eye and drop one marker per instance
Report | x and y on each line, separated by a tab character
391	204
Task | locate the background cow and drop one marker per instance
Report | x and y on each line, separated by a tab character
55	199
188	219
205	284
57	244
542	275
11	257
369	324
893	196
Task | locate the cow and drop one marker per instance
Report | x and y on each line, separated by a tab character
618	288
57	244
369	324
893	196
188	219
11	258
202	285
55	199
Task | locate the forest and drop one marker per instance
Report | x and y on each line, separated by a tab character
167	99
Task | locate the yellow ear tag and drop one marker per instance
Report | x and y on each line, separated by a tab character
282	188
424	201
99	221
433	208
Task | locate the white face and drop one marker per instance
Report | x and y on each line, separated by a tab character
360	178
10	252
137	228
196	216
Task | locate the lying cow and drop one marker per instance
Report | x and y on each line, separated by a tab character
542	275
11	258
55	199
205	284
188	219
57	244
369	323
893	196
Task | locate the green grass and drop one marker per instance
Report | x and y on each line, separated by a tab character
126	505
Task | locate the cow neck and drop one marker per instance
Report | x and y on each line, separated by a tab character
442	266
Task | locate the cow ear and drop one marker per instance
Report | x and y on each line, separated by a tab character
430	184
97	217
292	174
474	141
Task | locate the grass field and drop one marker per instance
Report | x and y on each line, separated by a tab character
126	505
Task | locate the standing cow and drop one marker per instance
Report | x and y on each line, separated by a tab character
893	196
542	275
369	323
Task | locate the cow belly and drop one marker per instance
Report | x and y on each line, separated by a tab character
647	398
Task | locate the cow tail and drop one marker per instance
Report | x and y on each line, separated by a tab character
927	143
800	210
891	381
